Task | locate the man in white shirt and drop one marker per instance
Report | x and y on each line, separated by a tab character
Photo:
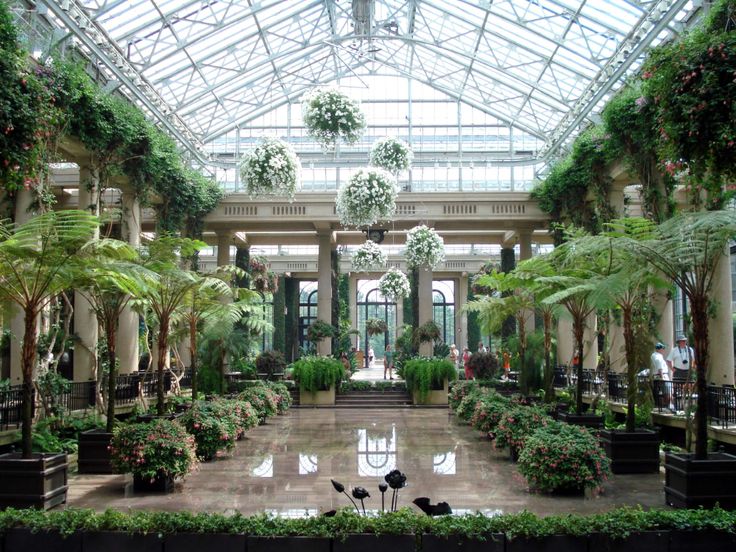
660	369
681	359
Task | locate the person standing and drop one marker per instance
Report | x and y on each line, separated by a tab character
371	357
681	360
388	362
466	364
454	354
661	371
482	348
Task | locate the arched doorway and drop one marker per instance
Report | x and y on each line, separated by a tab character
307	312
372	304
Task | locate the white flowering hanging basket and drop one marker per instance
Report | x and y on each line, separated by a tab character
394	285
424	247
330	115
368	257
271	169
369	196
391	154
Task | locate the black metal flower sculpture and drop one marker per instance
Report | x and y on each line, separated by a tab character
383	487
340	488
361	494
439	509
397	481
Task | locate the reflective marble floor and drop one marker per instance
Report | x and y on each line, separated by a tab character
285	467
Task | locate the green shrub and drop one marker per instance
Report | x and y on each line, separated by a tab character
314	373
152	449
484	365
517	424
423	374
210	430
563	457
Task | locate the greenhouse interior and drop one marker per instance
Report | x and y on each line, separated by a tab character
344	274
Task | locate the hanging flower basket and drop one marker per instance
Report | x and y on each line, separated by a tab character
330	115
424	247
394	285
369	196
368	257
391	154
271	169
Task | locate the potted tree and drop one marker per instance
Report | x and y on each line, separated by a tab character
317	378
38	259
687	249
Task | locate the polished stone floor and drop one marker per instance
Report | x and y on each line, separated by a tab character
285	467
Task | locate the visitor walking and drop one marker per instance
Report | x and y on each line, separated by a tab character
466	364
371	356
388	362
681	360
454	355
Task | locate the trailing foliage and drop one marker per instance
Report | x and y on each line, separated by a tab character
424	374
319	330
314	373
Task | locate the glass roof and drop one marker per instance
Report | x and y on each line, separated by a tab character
540	66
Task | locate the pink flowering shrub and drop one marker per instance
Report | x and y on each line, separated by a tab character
459	390
211	430
517	424
488	412
563	457
153	449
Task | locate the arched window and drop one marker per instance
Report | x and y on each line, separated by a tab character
372	304
443	308
307	310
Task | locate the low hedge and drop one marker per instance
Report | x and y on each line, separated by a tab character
616	524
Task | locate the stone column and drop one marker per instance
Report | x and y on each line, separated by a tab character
85	322
127	339
353	306
616	344
324	286
224	241
720	332
461	317
23	201
399	319
666	324
565	340
424	288
508	263
590	343
525	252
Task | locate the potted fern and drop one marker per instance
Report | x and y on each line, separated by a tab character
428	379
317	378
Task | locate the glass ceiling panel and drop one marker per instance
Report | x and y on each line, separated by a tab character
221	64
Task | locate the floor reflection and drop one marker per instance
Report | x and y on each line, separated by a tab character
285	467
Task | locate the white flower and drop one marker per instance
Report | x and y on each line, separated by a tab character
391	154
424	247
369	196
368	257
394	285
272	168
330	115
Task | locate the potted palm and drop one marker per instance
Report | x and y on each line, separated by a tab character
38	259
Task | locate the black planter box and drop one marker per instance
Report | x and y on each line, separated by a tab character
38	482
371	543
594	421
646	541
94	452
691	483
197	542
701	541
553	543
288	544
636	452
159	484
118	541
24	540
491	543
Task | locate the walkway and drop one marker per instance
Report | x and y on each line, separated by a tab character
285	467
374	373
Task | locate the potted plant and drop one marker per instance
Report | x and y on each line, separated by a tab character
367	197
38	259
565	459
368	256
330	115
317	377
262	398
424	247
391	154
394	285
212	432
270	365
319	330
428	379
155	453
271	169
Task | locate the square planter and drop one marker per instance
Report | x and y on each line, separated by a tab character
553	543
118	541
691	483
371	543
197	542
594	421
636	452
701	541
434	396
23	540
37	482
491	543
159	484
94	452
317	398
646	541
288	544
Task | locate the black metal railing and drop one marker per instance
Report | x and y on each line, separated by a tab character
11	403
